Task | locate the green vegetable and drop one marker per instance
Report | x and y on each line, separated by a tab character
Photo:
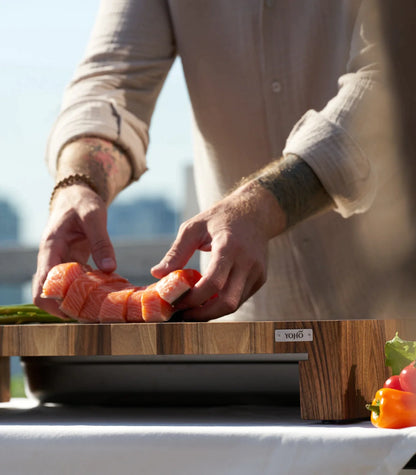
399	353
26	313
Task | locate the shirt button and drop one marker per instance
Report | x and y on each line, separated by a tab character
276	86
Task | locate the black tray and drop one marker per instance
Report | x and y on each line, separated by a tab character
163	380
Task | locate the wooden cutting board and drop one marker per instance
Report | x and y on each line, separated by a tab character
341	373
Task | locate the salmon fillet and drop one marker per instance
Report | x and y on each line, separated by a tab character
134	306
114	306
154	308
90	311
60	277
176	283
81	287
94	296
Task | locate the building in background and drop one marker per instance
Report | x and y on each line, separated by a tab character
9	236
9	223
141	219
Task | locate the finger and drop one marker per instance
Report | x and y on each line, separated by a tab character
256	279
49	305
102	250
212	282
227	301
48	257
188	240
240	286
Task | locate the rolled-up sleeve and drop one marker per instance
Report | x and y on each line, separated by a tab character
114	90
341	142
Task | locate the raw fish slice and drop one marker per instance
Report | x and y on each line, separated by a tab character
114	306
154	308
134	306
90	311
60	277
79	290
176	283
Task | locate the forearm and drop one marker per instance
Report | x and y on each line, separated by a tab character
296	188
103	162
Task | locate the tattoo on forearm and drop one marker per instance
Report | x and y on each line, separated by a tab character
105	163
103	159
105	154
296	187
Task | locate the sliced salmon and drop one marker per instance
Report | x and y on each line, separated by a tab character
81	287
134	306
60	277
176	283
154	308
114	306
90	311
94	296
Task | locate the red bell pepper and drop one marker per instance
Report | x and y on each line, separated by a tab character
408	378
393	382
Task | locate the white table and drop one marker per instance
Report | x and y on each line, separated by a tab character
233	440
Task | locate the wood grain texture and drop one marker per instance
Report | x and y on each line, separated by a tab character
344	365
4	379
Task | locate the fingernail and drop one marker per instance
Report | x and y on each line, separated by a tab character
159	266
108	263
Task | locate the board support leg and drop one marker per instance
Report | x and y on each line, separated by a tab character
4	378
344	369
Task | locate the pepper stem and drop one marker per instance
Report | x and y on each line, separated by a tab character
373	408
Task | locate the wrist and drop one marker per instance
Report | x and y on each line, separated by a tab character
77	195
105	166
257	200
70	180
296	188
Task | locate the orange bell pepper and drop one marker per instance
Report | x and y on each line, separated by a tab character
393	409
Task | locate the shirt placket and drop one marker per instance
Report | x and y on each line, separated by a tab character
273	82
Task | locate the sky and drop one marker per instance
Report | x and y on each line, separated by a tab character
40	45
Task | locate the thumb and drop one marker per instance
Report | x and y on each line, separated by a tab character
176	258
102	250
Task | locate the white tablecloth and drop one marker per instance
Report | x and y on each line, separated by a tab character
234	440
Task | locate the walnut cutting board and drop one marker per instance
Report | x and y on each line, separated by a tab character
343	369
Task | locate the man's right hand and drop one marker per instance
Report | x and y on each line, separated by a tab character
76	229
77	225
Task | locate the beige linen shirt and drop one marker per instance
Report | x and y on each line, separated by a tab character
265	78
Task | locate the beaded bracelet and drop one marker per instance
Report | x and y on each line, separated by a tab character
70	180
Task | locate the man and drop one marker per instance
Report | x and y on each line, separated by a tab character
301	80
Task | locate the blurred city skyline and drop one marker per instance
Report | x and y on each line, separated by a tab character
40	46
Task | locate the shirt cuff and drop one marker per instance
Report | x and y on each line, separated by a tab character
339	163
102	119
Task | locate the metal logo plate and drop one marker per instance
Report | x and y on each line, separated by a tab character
294	334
